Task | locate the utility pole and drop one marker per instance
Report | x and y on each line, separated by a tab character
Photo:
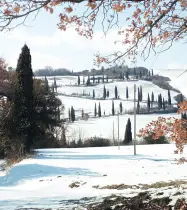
118	132
113	134
134	119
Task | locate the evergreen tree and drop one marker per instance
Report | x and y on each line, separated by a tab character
127	93
79	81
140	74
93	93
128	133
93	79
72	114
46	84
139	97
104	92
134	71
107	79
88	81
23	100
108	94
121	107
116	92
53	89
160	101
148	103
163	104
149	73
184	116
138	107
141	94
55	85
95	110
103	79
121	75
169	98
82	113
113	111
127	75
99	110
69	114
152	72
152	97
181	98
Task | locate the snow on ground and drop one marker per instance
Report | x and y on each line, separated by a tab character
106	105
44	181
103	127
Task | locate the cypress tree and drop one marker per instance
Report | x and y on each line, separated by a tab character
141	94
134	71
152	97
169	98
108	94
184	116
128	133
152	72
116	92
104	92
79	81
148	103
121	107
138	107
88	81
53	89
181	98
23	101
55	85
107	79
93	93
103	79
93	79
163	104
127	93
95	110
113	111
69	114
127	75
139	97
99	110
72	114
46	84
82	113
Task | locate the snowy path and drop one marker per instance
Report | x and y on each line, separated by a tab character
44	181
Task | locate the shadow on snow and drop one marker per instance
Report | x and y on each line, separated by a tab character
25	172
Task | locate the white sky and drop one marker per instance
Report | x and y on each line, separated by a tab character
50	46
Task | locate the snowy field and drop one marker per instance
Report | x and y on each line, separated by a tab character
103	127
44	181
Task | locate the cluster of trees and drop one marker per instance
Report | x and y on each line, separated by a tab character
30	113
92	80
53	87
49	71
